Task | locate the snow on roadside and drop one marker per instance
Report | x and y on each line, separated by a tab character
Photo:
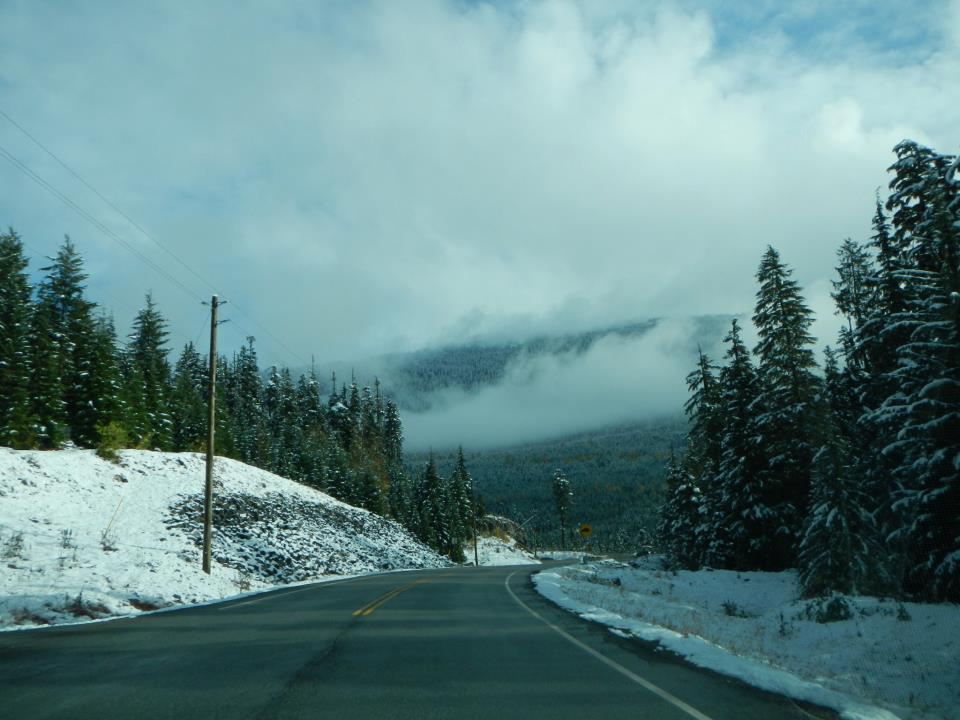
82	538
889	660
494	551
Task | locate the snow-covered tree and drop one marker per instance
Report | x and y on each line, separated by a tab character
840	550
562	499
148	358
17	422
680	518
786	421
742	503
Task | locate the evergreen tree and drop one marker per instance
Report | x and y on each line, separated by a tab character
704	451
188	402
49	409
245	406
148	355
431	503
787	389
105	382
742	503
562	498
17	421
461	499
61	295
680	518
925	406
840	548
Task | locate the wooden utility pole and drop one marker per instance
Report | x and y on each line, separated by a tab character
211	424
476	555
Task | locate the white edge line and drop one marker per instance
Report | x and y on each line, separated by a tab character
660	692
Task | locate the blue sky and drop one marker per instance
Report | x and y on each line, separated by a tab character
370	177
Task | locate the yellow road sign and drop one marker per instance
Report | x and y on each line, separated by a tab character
585	531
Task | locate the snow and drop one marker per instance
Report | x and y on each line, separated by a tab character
889	660
494	551
83	538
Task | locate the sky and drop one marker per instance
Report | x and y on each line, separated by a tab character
357	178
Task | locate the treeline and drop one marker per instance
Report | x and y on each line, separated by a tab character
853	475
64	377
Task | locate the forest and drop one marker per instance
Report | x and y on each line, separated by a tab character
616	479
66	378
850	474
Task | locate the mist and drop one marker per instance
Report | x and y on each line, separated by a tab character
619	380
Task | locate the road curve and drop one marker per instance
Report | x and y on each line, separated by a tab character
458	643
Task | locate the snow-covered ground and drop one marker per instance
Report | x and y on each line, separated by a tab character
887	660
82	538
494	551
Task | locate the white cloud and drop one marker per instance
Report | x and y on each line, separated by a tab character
376	176
617	381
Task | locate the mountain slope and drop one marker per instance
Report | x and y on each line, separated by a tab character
81	537
415	379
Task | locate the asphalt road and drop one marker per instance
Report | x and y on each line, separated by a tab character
460	643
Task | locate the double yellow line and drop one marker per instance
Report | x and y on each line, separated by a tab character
386	597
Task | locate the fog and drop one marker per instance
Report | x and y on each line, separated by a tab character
619	380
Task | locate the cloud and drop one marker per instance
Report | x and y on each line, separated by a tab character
619	380
380	176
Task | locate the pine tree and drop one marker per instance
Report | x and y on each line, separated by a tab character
562	498
46	384
742	503
704	451
61	294
17	422
925	405
840	548
461	499
282	424
105	383
680	518
188	402
854	296
244	402
148	355
431	503
787	389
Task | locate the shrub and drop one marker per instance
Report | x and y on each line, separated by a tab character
113	437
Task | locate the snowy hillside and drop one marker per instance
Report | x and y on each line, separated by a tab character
84	538
902	656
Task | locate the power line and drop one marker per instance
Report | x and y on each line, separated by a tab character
100	195
94	221
135	224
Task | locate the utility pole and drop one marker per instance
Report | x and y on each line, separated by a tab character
476	555
211	425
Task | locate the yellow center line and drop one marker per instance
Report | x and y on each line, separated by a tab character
386	597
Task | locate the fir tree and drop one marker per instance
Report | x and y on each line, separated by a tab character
562	499
680	518
787	388
461	499
188	402
742	500
148	355
840	549
925	406
17	421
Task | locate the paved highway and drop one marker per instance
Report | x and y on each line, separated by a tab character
460	643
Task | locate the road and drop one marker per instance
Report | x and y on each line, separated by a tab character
459	643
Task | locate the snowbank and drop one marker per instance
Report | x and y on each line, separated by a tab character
83	538
887	660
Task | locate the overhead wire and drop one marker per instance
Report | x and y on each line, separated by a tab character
132	222
13	160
